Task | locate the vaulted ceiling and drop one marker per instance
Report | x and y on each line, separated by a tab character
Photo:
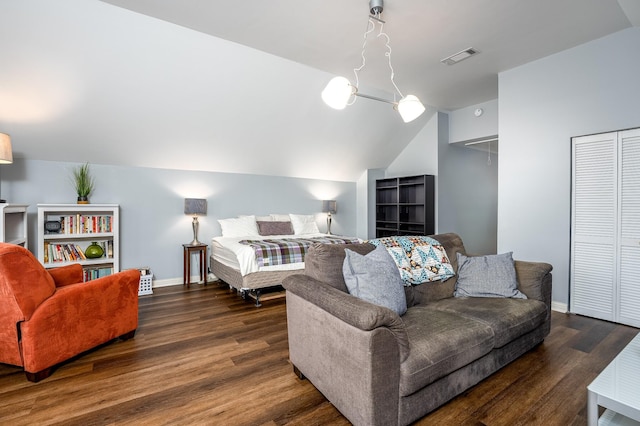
234	86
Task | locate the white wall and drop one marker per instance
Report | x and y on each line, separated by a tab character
420	157
464	125
88	81
366	203
591	88
153	223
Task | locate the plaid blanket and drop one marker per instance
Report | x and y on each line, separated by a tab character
289	250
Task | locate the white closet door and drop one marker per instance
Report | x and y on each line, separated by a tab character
593	211
629	220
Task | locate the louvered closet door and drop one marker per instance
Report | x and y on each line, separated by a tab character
593	225
629	220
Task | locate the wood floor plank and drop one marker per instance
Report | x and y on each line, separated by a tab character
202	355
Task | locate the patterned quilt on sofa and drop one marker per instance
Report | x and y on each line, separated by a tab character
419	259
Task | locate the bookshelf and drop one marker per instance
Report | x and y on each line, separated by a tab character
405	206
13	224
80	226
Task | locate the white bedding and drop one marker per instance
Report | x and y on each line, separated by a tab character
229	252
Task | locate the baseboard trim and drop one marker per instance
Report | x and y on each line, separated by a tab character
559	307
167	282
178	281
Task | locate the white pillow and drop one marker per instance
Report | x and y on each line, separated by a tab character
265	218
304	224
244	226
280	217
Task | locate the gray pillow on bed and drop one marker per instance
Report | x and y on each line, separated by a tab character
274	228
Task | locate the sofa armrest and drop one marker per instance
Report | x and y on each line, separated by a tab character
350	309
66	275
357	370
534	280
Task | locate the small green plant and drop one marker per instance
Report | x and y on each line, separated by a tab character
83	181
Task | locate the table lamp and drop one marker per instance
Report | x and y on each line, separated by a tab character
195	207
329	207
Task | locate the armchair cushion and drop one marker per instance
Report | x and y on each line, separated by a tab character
66	275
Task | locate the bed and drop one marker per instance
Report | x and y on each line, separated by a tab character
236	260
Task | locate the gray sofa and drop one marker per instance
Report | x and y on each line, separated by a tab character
378	368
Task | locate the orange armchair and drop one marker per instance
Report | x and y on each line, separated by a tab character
50	316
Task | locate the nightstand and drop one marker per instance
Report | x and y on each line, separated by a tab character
188	251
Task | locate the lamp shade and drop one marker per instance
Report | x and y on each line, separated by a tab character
6	155
410	108
195	206
329	206
337	93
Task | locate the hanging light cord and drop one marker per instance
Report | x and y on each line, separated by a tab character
388	55
370	27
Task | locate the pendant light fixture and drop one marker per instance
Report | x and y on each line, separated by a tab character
340	92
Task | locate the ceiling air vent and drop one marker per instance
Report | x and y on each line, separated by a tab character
460	56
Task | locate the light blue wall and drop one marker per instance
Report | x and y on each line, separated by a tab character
153	224
591	88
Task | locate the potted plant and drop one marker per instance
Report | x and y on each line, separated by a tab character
83	182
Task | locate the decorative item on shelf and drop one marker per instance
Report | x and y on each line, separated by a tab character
6	155
94	251
339	92
195	207
52	227
329	207
83	182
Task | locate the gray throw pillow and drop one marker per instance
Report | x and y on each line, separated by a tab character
375	278
487	276
274	228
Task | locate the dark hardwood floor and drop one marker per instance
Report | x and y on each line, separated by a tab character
204	356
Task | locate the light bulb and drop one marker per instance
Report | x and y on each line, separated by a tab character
337	92
410	108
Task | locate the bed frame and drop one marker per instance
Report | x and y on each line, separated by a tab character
251	285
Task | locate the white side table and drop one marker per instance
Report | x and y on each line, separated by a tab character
617	388
13	224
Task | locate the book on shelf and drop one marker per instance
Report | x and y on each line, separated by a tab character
86	224
95	273
69	252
